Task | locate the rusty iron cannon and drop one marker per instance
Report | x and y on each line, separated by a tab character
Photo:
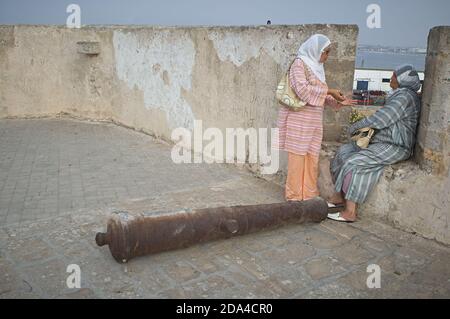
131	235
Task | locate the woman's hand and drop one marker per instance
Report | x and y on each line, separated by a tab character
337	94
348	102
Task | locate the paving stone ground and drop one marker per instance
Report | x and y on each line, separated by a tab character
61	178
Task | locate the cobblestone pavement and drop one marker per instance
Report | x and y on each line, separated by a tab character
60	178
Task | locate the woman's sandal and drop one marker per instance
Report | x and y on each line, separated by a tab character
339	218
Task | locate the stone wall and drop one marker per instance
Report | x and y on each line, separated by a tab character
155	79
433	147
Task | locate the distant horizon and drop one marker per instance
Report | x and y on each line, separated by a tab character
393	47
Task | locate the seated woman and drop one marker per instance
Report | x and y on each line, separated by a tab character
356	171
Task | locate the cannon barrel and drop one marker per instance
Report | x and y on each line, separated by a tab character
131	235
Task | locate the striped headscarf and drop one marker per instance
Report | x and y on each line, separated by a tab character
407	77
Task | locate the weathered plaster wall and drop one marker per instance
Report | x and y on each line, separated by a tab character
42	73
433	147
158	78
413	200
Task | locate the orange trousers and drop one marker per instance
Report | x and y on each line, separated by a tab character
301	182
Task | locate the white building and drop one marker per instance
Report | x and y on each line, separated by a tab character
374	79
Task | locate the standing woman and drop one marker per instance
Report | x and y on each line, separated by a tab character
301	131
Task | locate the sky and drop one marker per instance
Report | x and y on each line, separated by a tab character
404	23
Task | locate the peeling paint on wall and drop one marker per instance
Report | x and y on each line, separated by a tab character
160	64
239	47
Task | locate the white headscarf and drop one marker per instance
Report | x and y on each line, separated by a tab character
310	52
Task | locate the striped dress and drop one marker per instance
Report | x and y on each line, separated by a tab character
301	132
395	126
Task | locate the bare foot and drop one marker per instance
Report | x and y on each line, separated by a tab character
347	215
337	199
349	212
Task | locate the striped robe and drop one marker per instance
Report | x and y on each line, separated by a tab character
395	126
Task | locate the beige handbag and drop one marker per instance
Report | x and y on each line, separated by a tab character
286	96
362	136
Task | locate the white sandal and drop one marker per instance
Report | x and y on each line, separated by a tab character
338	217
